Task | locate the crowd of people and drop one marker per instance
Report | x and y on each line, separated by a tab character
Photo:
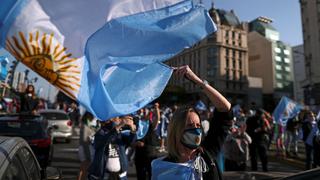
187	140
184	140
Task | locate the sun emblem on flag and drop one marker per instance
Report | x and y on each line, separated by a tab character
48	58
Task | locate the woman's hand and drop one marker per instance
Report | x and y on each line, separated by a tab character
185	71
128	120
217	99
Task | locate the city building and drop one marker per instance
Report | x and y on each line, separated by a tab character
271	60
221	59
299	72
310	17
18	80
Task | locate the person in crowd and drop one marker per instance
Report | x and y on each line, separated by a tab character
42	104
258	129
316	145
188	156
292	132
109	149
85	145
28	99
270	120
62	106
163	126
309	126
279	139
74	114
236	148
147	147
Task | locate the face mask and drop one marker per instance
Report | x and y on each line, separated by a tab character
192	138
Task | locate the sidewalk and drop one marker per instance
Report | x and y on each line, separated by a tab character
295	161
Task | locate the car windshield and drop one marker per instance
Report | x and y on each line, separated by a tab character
55	116
16	126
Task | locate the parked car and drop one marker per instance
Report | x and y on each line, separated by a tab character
34	129
60	119
17	161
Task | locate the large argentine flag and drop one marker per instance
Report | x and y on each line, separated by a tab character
106	54
285	110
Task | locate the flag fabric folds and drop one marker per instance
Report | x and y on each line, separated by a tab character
285	110
105	54
3	67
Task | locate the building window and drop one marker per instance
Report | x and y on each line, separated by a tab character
286	52
279	85
227	75
279	76
286	60
211	51
233	63
278	67
227	62
288	77
227	37
278	58
240	64
277	50
287	69
227	34
211	72
227	52
234	75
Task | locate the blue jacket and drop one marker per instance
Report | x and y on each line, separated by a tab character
101	141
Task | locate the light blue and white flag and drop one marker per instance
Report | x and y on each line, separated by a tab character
143	127
107	54
3	67
285	110
200	106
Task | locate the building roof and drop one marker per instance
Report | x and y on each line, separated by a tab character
228	17
261	24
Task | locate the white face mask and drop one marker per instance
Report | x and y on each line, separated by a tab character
29	94
192	138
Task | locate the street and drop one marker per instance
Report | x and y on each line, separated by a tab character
66	159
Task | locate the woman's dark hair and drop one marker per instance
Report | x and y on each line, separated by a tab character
30	91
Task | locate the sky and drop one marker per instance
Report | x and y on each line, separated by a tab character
284	13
